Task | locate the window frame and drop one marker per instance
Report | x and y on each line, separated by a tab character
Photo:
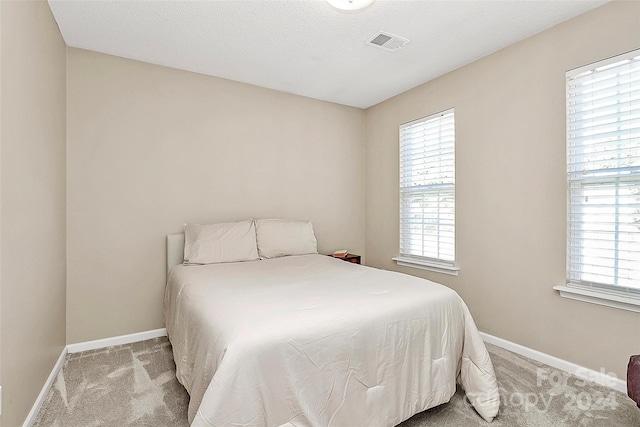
577	285
438	190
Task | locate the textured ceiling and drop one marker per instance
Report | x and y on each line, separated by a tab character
306	47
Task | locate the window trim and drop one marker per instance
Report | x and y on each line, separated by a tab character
600	296
422	262
624	298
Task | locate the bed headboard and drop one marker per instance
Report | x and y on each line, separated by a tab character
175	250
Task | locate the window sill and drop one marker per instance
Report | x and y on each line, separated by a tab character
621	300
427	265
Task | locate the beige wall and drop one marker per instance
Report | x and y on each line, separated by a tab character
510	193
150	148
32	203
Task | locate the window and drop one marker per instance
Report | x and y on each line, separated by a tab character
427	193
603	170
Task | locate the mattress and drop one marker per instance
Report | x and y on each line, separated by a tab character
315	341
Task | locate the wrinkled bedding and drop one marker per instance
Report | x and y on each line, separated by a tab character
315	341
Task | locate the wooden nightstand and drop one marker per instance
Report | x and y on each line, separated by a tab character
350	258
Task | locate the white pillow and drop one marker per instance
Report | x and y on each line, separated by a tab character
280	237
215	243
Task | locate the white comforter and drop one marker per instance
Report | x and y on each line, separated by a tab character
315	341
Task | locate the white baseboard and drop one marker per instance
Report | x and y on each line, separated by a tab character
84	346
601	378
121	339
33	414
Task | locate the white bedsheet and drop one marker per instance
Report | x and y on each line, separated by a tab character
315	341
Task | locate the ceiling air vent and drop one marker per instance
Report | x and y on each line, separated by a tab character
387	41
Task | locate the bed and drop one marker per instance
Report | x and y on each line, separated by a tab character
311	340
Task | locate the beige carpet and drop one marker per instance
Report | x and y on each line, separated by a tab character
135	385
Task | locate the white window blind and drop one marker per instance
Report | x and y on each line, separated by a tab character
603	168
427	189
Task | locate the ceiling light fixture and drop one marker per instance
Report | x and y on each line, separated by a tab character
350	4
